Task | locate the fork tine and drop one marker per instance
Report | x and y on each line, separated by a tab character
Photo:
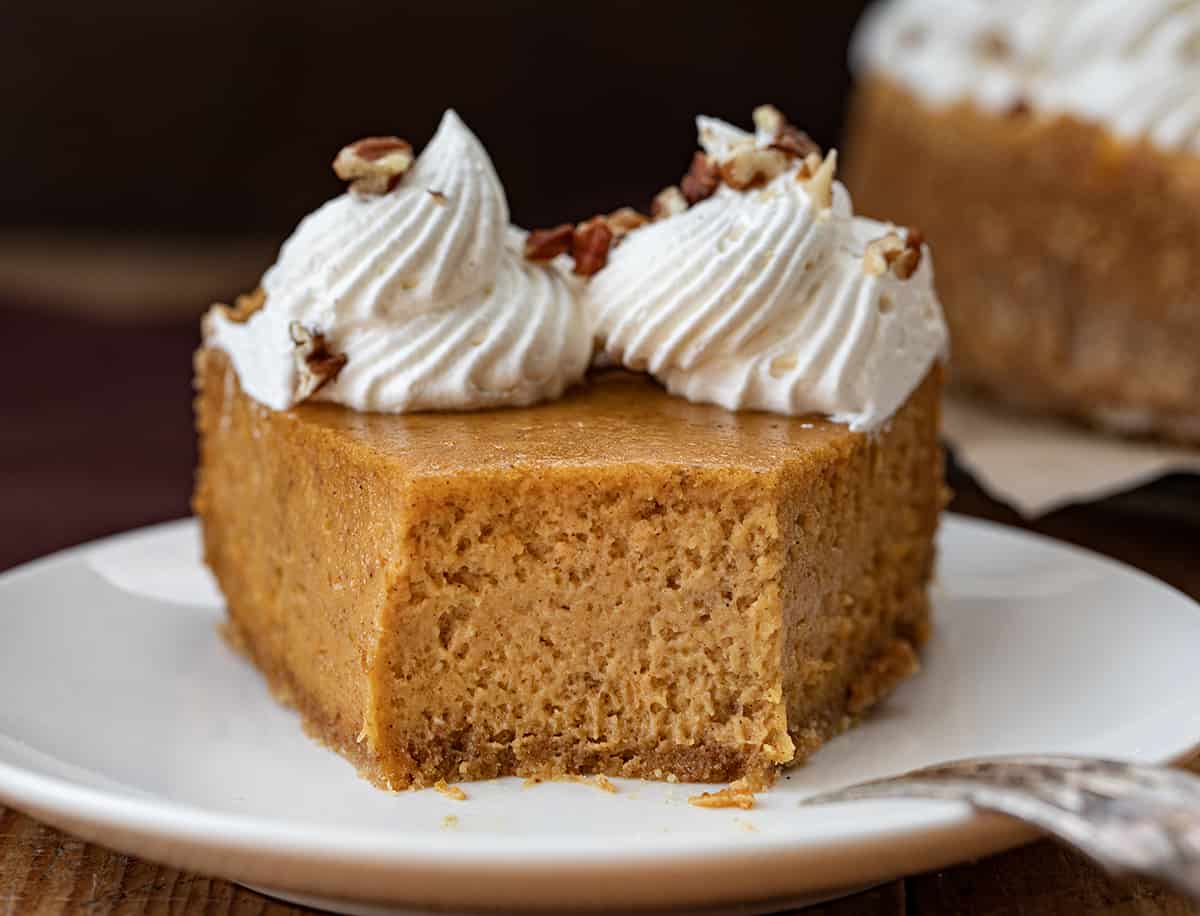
1095	773
1127	817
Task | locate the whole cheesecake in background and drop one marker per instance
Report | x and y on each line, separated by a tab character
1050	150
459	558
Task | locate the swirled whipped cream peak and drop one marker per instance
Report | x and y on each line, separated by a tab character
1131	65
409	292
758	288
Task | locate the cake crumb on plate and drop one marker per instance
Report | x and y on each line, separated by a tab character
449	791
738	794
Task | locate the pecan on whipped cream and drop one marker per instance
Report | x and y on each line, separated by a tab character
760	295
417	290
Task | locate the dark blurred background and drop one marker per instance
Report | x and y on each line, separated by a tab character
219	118
155	155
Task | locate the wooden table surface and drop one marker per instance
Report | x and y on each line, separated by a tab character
95	437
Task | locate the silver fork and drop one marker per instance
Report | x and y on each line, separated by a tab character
1129	818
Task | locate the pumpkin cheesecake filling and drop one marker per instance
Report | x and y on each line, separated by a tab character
616	580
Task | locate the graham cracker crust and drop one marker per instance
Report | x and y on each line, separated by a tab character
464	757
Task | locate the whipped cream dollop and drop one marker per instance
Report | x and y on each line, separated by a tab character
764	298
1131	65
423	290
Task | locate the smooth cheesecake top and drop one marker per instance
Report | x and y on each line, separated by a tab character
619	419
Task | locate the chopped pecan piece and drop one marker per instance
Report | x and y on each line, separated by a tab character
374	165
901	256
316	364
809	166
624	221
547	244
590	245
702	179
795	142
769	121
909	259
880	254
750	167
820	184
668	202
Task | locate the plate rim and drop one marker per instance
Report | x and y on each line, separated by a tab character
188	836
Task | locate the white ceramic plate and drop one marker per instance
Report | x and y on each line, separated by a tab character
125	719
